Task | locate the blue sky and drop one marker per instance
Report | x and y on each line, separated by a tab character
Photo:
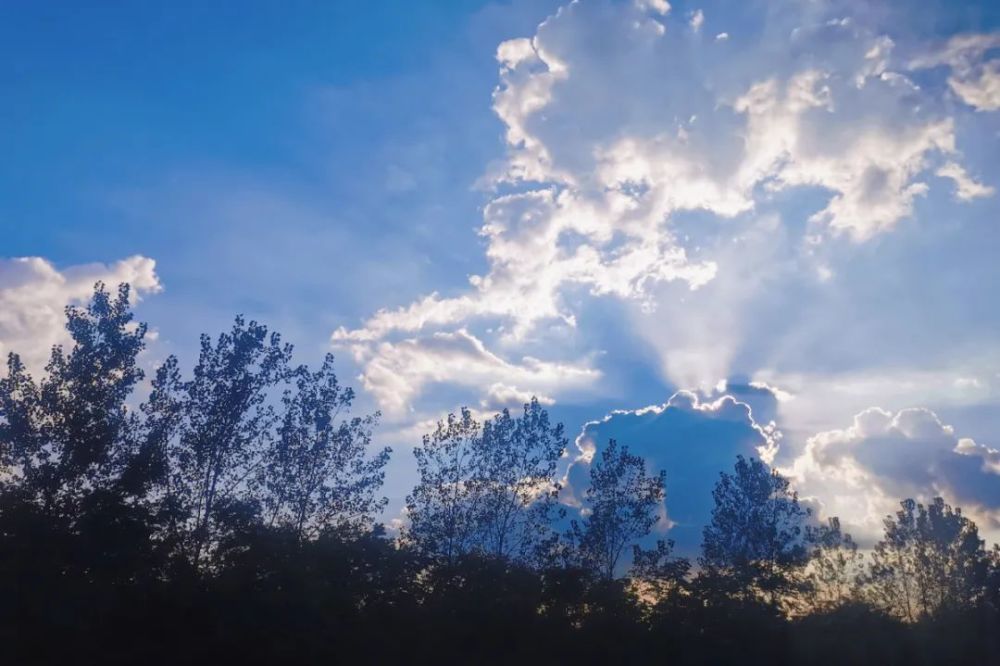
790	203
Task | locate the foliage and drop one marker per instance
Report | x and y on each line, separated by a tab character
756	540
317	476
487	488
834	570
442	507
514	482
225	432
620	508
930	561
71	434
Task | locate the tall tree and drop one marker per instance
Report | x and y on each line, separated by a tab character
317	474
73	488
442	506
25	455
993	579
835	567
514	480
73	434
621	505
756	541
488	489
931	559
224	430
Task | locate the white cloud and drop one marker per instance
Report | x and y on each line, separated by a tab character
825	397
959	51
990	457
975	81
587	199
966	187
395	372
661	7
980	88
500	395
795	138
861	472
34	294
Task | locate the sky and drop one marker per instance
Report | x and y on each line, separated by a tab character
702	228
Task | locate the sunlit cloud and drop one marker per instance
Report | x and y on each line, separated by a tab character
860	472
975	80
590	191
396	372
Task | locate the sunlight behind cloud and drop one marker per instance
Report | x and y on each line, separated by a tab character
590	190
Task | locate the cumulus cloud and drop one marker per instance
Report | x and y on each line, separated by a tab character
990	457
692	438
866	157
860	472
34	294
607	149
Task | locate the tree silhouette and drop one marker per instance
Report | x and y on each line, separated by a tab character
442	507
931	560
756	540
514	482
74	519
224	432
621	505
993	580
69	450
660	574
25	455
487	489
71	435
234	510
835	568
316	474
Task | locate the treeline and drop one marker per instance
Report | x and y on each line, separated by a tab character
229	515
